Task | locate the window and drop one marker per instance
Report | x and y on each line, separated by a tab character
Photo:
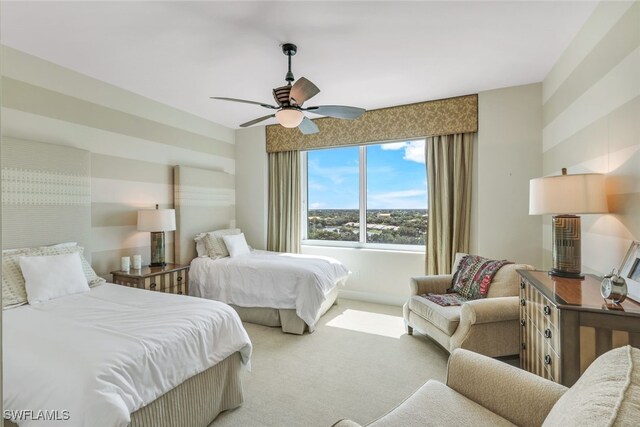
371	195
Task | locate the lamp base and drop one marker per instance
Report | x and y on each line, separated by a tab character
567	259
565	274
157	249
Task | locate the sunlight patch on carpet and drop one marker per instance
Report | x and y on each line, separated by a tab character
370	323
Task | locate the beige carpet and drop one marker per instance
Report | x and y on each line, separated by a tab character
358	364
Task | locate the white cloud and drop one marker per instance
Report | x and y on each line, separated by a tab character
407	199
414	152
394	146
337	174
316	186
316	205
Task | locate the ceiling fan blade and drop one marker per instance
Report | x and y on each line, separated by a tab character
262	104
307	127
301	91
258	120
337	111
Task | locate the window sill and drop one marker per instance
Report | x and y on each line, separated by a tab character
363	246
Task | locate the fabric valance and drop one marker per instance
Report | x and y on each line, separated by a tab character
424	119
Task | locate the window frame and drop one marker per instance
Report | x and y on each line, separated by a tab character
362	188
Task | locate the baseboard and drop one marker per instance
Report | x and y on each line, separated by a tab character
372	297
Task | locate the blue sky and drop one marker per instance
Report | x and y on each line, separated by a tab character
396	177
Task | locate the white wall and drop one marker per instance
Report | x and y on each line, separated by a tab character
378	275
134	144
252	184
509	147
591	123
508	154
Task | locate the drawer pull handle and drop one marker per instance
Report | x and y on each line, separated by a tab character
522	322
547	333
179	278
153	286
547	360
547	310
524	346
522	302
521	285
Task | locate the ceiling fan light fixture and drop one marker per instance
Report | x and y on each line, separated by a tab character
289	117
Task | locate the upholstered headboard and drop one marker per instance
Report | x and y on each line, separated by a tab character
46	194
204	201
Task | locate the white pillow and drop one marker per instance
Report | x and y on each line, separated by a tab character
215	244
54	276
201	248
92	278
236	245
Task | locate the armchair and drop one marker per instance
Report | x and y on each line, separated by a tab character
481	391
487	326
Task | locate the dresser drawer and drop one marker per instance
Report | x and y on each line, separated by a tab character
551	362
171	278
127	281
541	311
551	334
178	290
158	282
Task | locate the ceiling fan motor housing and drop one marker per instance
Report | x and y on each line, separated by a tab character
281	95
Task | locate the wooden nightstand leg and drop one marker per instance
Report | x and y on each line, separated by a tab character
570	352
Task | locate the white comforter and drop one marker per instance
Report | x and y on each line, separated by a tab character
106	353
268	279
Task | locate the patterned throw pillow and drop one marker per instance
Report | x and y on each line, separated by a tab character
474	276
13	290
214	243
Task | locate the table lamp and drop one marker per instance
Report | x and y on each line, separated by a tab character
157	221
564	197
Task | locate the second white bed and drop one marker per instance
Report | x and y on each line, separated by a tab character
108	352
270	280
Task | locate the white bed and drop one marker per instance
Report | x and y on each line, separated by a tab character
106	353
304	283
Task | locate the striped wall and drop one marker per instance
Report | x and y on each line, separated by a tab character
591	123
134	144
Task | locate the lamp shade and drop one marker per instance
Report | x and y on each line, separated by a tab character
157	220
568	194
289	117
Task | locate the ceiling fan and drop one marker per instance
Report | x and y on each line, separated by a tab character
290	98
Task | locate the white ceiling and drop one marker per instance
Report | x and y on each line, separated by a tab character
366	54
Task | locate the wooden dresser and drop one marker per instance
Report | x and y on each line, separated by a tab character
172	278
566	324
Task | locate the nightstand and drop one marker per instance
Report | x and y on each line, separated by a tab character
566	325
171	279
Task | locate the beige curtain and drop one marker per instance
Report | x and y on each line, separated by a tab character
283	231
449	169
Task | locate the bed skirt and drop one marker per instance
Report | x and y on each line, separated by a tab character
195	402
285	318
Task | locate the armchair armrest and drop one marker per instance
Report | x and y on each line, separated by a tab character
523	398
437	284
346	423
489	310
